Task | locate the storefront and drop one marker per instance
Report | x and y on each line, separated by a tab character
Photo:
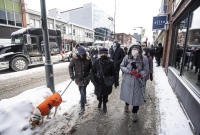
184	58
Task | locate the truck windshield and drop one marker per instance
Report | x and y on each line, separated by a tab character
17	40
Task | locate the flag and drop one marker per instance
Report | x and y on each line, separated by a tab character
142	33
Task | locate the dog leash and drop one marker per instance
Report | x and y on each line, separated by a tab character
59	98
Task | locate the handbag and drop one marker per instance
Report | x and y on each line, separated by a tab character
109	80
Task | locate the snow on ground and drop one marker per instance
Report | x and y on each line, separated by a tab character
16	112
172	118
30	71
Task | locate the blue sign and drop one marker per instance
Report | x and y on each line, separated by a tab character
159	22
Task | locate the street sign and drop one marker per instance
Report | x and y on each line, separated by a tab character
159	22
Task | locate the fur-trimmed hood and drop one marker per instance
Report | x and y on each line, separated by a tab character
76	56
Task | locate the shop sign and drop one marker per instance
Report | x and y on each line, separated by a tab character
159	22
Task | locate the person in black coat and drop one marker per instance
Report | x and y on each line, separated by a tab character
159	53
94	54
179	53
152	51
116	54
108	67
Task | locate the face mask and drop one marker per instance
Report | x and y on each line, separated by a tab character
134	52
114	44
144	53
103	57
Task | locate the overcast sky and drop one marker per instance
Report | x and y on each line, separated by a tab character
129	14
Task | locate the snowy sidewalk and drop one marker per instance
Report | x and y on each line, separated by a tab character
172	118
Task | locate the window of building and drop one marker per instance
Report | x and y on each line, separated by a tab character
180	43
9	5
17	7
10	16
74	32
191	70
2	17
18	18
2	6
32	22
37	24
70	30
51	26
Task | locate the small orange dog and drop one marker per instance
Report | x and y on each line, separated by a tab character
44	109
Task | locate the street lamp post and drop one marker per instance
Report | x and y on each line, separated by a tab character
48	64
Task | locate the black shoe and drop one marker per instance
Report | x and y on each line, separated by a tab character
104	107
82	107
99	105
157	66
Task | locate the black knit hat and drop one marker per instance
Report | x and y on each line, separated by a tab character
103	50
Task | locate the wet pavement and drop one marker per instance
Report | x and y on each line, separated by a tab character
116	121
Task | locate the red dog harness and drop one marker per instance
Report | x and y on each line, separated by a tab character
50	102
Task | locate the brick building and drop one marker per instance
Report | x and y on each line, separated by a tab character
125	39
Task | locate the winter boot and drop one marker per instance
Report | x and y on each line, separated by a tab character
104	107
82	107
126	108
134	117
99	105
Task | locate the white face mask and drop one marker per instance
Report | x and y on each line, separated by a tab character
144	53
114	44
134	53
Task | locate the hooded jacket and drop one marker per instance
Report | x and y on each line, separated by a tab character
130	87
82	69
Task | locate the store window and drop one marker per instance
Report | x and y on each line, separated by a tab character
32	24
37	24
2	17
191	70
180	43
10	16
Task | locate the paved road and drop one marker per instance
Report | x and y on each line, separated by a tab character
18	83
116	121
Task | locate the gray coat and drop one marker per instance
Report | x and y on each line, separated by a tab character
130	88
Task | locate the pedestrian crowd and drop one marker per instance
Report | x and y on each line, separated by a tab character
102	68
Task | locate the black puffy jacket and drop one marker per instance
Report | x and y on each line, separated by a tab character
117	56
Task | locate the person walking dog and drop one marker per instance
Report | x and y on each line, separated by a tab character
103	66
131	92
81	64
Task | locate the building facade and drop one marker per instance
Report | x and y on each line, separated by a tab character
11	17
71	33
181	55
92	17
124	39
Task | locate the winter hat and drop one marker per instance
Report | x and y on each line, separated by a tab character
80	49
137	45
103	50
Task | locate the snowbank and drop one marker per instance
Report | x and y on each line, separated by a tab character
16	112
20	31
172	119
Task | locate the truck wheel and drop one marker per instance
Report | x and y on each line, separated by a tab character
19	64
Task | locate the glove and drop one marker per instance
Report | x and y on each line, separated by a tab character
136	75
151	77
72	76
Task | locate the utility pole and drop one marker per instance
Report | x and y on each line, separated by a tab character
114	19
48	64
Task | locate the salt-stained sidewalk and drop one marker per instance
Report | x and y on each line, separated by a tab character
172	118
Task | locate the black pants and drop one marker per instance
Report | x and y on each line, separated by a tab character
158	61
82	90
103	98
135	108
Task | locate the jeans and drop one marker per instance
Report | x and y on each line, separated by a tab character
104	97
135	108
82	90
